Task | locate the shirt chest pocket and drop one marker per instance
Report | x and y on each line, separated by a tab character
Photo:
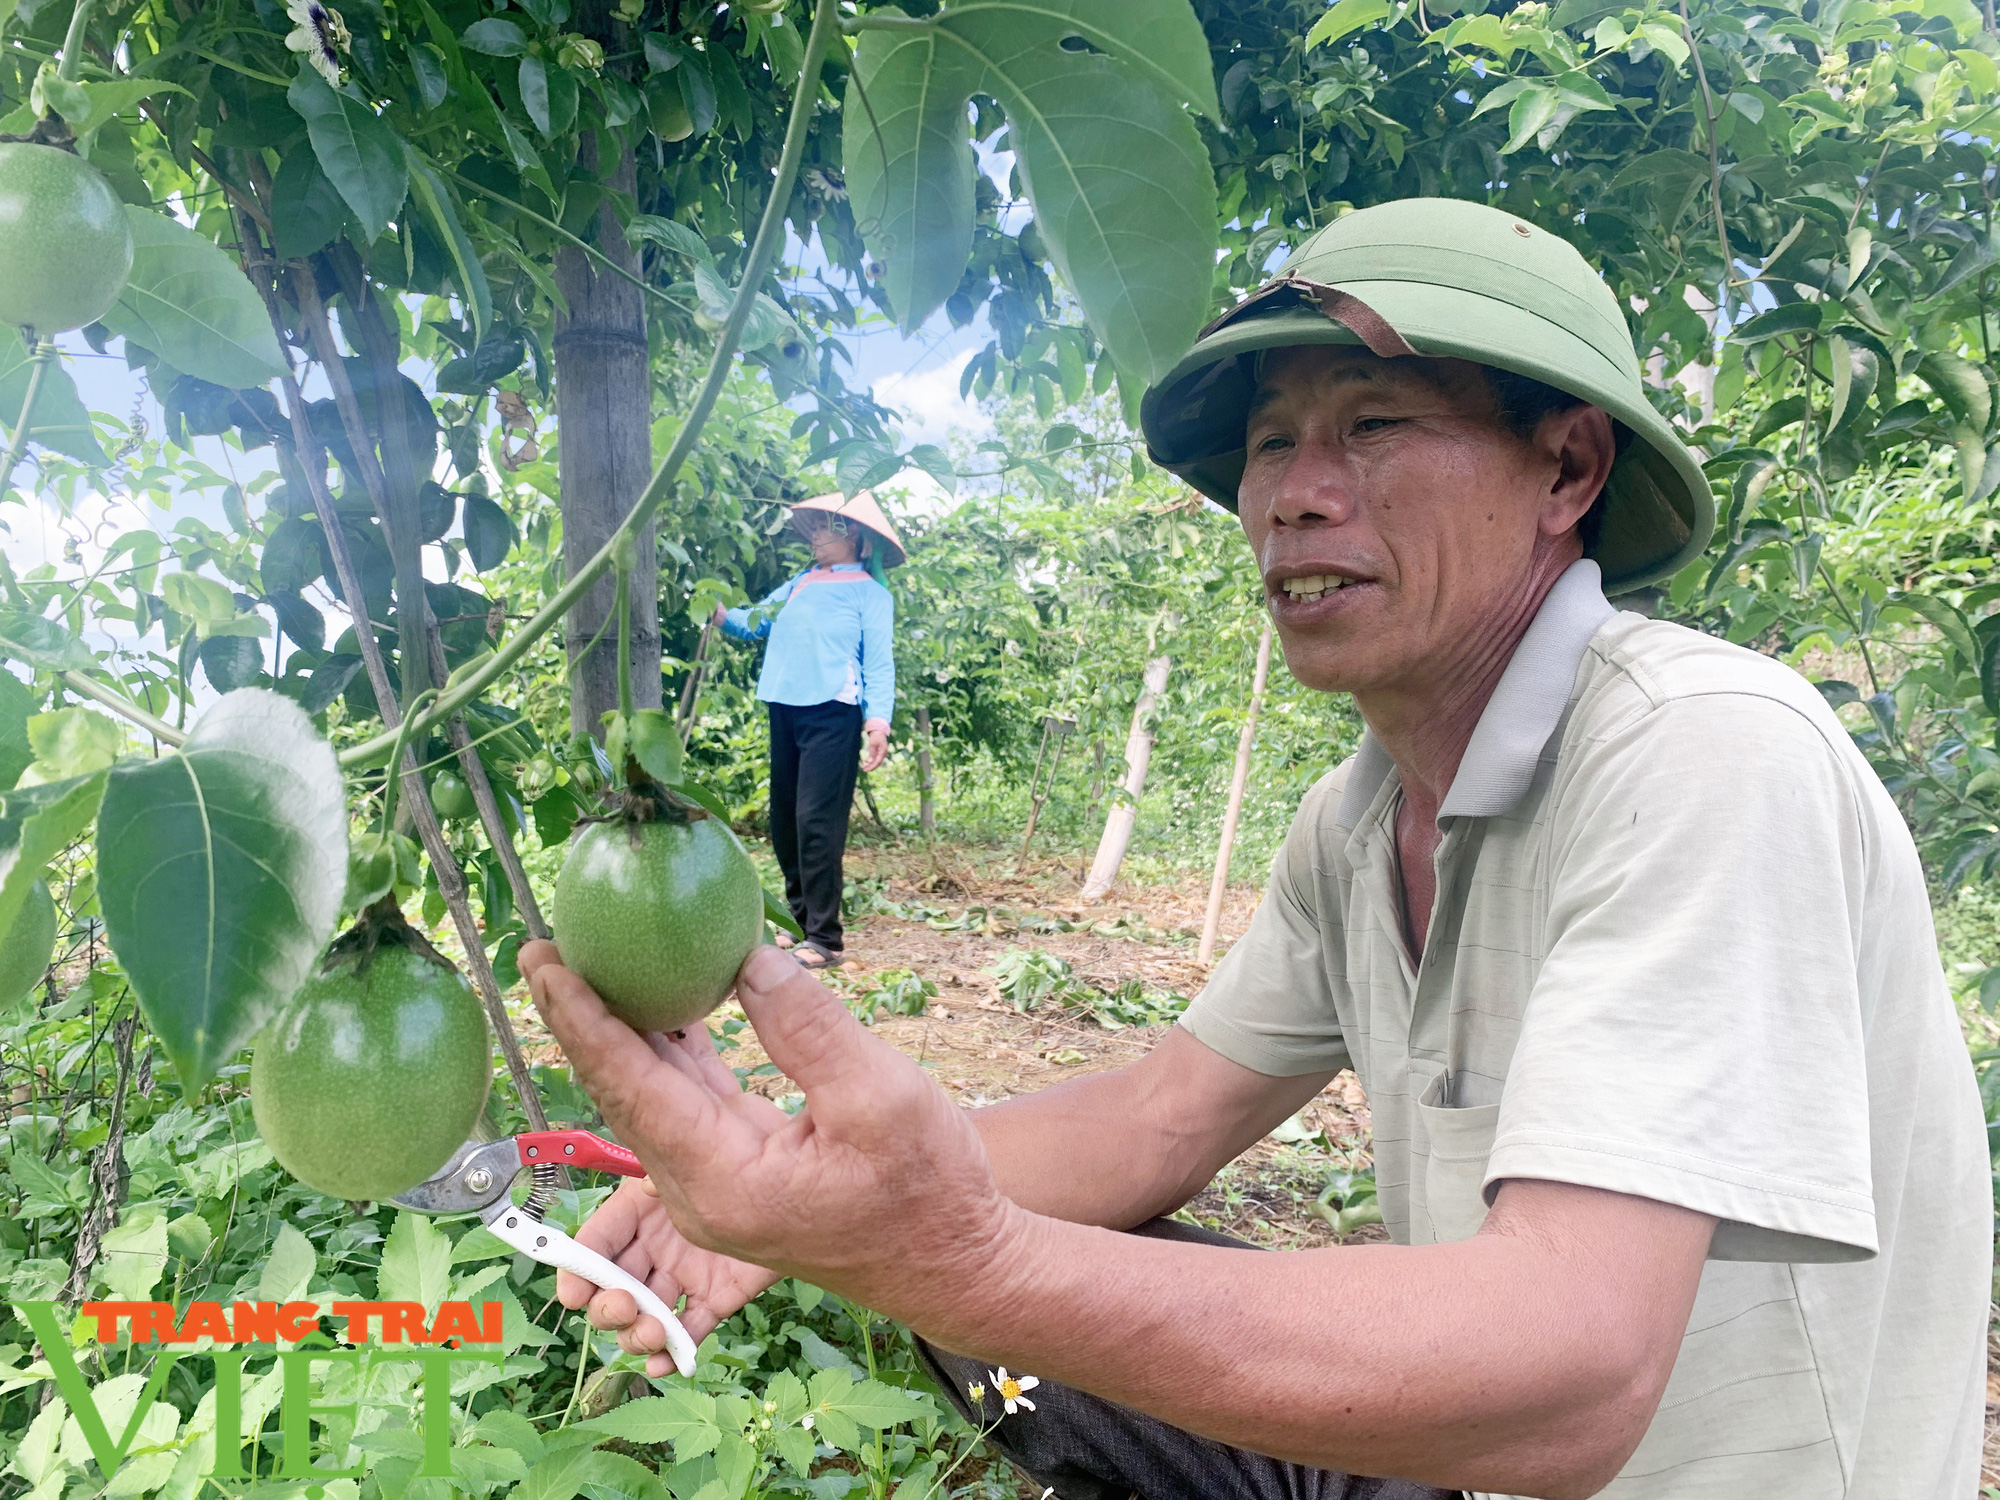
1460	1139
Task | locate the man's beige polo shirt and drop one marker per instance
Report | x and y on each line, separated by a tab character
1681	949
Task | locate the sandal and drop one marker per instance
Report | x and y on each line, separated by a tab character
811	955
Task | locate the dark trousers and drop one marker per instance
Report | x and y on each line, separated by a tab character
1087	1448
815	756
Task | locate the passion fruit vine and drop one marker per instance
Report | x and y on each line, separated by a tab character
656	908
64	240
377	1070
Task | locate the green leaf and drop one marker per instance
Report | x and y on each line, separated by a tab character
62	424
429	191
495	38
220	871
1989	675
42	643
780	916
230	662
307	211
1756	536
291	559
73	742
1793	317
17	702
289	1269
682	1417
1961	385
190	304
1120	183
416	1262
36	824
910	165
671	234
534	81
102	102
1345	17
135	1252
489	532
1950	623
873	1404
557	1477
359	153
649	737
201	599
1530	112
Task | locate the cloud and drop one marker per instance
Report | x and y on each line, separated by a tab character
932	409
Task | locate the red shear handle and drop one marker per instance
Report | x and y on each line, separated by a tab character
577	1148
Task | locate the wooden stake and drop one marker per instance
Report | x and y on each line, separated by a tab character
1124	814
1244	741
926	810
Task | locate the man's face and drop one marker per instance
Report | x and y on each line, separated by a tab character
1397	523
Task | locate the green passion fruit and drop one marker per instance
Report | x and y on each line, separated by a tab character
452	798
29	945
63	239
373	1075
658	915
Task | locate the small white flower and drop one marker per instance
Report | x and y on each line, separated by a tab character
806	1421
1013	1389
319	35
977	1392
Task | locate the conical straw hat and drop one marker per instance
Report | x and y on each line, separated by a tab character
863	511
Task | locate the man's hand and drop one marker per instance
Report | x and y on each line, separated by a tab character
878	1189
633	1231
876	750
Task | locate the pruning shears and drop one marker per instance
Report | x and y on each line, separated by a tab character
479	1179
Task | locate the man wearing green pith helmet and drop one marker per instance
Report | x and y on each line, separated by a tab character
1674	1131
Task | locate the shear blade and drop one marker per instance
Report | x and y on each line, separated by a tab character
478	1174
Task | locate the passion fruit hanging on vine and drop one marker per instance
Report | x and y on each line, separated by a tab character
64	241
656	908
377	1070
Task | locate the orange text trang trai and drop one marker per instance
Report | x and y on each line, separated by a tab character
289	1322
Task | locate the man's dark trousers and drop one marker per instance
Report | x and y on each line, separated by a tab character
1087	1448
815	756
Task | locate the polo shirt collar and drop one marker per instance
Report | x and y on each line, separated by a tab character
1523	714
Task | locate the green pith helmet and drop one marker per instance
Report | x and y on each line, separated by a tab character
1446	278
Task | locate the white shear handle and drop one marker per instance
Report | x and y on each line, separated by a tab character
550	1246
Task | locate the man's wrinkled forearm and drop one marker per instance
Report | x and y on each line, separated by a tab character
1494	1364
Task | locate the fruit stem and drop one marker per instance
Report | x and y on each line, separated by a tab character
763	256
72	53
44	356
621	563
393	779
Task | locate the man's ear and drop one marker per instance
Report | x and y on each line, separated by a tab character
1581	447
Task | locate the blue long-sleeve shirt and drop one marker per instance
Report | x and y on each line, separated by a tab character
832	640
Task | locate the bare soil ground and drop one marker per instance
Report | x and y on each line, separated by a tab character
982	1049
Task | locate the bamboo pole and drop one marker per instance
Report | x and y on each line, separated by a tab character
1213	920
691	690
1039	789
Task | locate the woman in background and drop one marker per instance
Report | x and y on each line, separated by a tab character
829	679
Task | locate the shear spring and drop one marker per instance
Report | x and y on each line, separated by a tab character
545	1182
